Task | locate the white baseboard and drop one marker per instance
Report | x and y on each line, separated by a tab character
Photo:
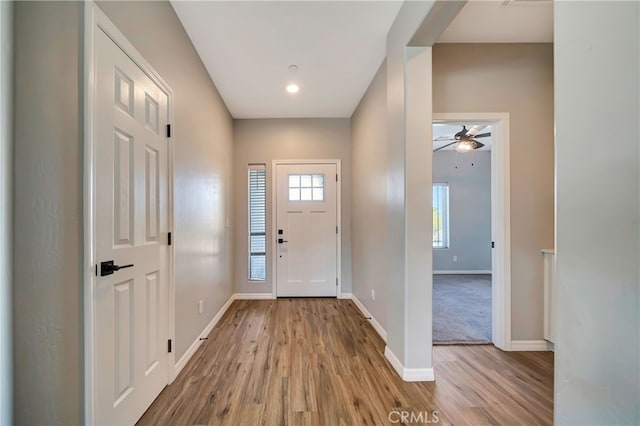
345	296
462	272
184	359
376	325
253	296
409	374
531	345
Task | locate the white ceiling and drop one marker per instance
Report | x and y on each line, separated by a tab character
519	21
247	48
440	130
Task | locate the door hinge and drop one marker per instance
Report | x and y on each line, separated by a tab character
96	269
336	229
169	239
169	346
493	244
336	177
168	130
336	282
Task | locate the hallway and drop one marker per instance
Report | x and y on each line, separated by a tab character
317	361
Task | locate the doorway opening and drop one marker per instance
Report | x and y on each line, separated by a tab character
461	233
471	244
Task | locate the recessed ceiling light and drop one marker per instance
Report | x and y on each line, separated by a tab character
293	88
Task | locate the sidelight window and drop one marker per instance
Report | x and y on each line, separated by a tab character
257	223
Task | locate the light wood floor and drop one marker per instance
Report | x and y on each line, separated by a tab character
319	362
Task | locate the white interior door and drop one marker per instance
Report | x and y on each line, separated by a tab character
306	230
132	222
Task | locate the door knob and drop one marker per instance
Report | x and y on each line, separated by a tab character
108	268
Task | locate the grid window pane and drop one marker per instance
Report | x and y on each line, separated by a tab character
257	223
440	215
305	194
306	187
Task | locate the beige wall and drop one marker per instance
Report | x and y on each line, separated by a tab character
48	298
518	79
262	141
370	250
47	281
202	138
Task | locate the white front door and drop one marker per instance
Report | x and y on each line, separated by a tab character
131	219
306	230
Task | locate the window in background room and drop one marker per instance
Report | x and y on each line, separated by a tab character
440	215
257	223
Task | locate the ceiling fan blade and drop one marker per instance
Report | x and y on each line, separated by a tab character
444	138
482	135
444	146
472	132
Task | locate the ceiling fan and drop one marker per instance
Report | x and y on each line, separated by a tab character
465	139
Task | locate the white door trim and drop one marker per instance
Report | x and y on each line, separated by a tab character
500	218
274	212
95	19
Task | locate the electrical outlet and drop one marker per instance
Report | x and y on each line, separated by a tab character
455	258
200	307
373	294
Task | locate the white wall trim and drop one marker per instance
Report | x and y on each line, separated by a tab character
500	218
467	272
184	359
253	296
531	345
409	374
345	296
376	325
274	217
96	20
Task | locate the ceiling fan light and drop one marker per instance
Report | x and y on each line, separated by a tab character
465	146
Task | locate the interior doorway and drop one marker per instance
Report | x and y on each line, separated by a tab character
461	233
471	254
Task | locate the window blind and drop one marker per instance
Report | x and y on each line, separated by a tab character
257	223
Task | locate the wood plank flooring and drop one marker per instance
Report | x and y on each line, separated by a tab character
319	362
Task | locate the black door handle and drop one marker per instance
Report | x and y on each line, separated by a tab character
108	268
282	240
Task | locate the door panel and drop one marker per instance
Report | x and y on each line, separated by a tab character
306	212
131	184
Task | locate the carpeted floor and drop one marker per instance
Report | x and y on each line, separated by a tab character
461	309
